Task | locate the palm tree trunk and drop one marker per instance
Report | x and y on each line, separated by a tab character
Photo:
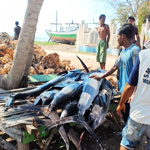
24	50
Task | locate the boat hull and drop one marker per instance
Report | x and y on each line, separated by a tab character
62	36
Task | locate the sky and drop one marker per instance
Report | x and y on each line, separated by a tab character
67	10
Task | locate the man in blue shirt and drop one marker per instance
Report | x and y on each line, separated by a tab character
125	61
138	124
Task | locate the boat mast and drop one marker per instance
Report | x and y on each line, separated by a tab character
56	20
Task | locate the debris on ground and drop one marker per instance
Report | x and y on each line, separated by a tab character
41	62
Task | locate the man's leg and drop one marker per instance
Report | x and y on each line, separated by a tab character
102	66
123	148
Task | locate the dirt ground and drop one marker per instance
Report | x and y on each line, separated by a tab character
69	52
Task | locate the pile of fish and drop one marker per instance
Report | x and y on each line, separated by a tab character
81	99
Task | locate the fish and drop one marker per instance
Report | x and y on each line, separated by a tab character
77	119
101	104
67	93
89	92
46	97
73	75
69	109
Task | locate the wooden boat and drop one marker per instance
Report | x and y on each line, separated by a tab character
62	36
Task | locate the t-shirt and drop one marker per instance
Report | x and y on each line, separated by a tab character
17	32
140	76
125	63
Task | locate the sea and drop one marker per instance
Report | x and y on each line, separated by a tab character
41	38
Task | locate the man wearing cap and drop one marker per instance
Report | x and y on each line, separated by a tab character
17	30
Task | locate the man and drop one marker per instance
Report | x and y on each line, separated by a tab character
138	124
104	36
17	30
125	61
131	20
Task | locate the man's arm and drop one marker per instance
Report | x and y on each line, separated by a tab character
108	35
109	72
138	38
126	94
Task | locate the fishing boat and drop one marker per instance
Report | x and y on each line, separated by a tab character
64	36
63	33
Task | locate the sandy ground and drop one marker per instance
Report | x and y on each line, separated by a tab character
69	52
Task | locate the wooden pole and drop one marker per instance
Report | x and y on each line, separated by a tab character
22	146
56	21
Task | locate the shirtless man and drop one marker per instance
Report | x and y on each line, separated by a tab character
104	36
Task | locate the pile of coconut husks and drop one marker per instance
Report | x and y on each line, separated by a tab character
41	62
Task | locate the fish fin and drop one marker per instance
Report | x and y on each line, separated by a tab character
83	64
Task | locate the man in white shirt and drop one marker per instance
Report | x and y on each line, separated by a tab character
138	124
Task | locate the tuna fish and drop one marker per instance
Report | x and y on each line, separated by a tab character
46	97
90	91
101	104
67	93
71	75
69	109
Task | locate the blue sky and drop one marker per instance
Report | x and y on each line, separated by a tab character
68	10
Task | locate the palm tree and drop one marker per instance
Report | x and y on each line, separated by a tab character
24	50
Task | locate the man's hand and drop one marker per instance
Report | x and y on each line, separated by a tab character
95	77
119	108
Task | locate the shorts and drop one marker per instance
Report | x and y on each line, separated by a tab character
133	133
101	51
